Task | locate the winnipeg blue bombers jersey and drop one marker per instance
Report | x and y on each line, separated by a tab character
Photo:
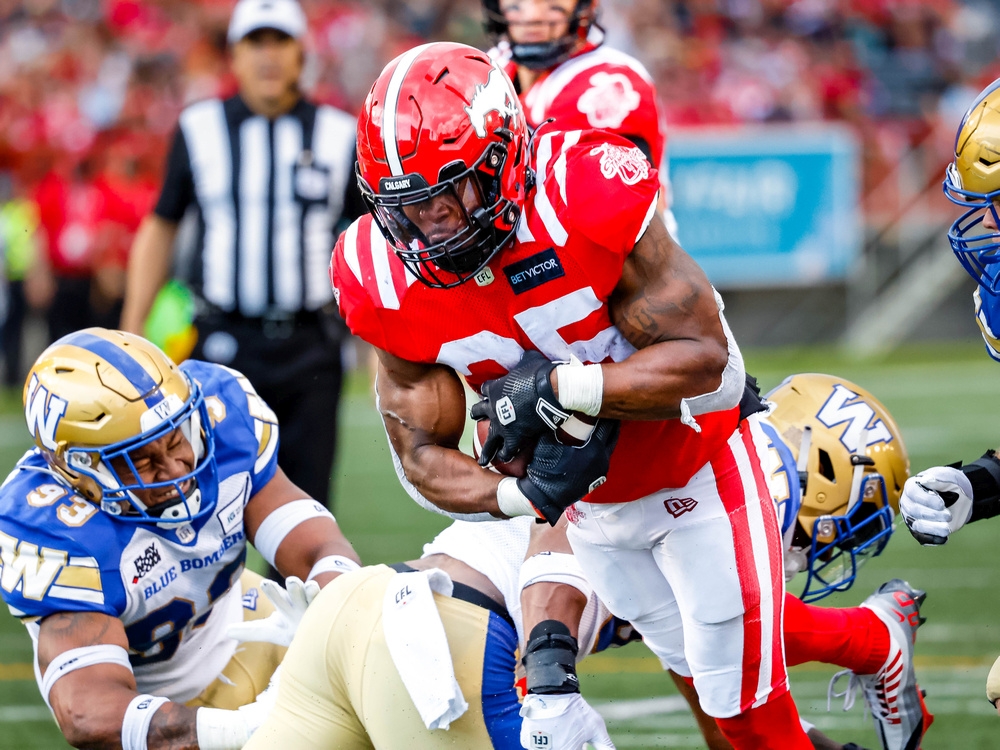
988	319
172	588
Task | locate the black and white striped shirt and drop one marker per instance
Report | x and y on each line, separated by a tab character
269	194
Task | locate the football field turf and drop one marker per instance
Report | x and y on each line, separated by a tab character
946	400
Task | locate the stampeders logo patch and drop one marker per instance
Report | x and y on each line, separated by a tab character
678	506
628	163
146	562
534	271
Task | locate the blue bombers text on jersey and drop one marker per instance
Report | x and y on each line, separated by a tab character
173	588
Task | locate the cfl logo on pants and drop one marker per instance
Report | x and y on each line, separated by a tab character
541	739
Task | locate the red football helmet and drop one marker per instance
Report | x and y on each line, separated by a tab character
442	160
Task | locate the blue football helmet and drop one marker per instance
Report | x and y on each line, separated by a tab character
94	398
972	181
838	469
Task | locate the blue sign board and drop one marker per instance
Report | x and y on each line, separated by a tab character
769	205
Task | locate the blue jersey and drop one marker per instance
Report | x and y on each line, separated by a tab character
61	553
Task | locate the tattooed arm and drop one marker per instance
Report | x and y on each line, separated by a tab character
666	308
89	703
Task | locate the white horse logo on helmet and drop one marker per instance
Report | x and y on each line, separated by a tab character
493	96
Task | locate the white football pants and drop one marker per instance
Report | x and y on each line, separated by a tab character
698	572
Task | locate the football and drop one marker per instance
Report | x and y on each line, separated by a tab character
518	467
574	431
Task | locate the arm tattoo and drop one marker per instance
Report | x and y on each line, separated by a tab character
78	628
173	727
657	293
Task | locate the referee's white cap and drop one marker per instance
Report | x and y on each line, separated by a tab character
250	15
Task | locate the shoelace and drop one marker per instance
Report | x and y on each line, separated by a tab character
849	695
854	685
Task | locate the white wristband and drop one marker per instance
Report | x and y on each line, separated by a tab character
332	564
806	726
581	387
135	724
219	729
512	501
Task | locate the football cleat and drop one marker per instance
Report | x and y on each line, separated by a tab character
891	694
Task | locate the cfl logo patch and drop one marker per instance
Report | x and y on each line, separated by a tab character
540	739
505	411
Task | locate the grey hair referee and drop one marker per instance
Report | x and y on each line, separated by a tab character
270	175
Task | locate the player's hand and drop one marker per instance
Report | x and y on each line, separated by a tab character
559	475
936	503
225	729
562	722
520	406
290	603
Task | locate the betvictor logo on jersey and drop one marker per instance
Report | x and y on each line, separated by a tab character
534	271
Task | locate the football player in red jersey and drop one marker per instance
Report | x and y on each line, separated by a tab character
553	52
494	257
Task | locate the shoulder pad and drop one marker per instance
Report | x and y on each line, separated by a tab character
368	279
58	552
597	184
246	428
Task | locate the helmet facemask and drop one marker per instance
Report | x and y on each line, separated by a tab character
488	220
841	544
108	476
540	55
976	246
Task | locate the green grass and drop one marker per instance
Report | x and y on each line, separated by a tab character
945	399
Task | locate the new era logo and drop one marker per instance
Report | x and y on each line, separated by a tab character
678	506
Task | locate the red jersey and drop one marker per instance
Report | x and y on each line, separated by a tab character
595	194
598	88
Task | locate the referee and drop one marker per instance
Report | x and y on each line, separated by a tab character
271	176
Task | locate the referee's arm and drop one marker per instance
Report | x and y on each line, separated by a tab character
151	255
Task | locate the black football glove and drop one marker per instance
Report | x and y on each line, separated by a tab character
559	475
520	406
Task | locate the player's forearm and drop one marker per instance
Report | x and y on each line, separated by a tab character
451	480
95	721
552	601
148	265
652	383
309	543
984	476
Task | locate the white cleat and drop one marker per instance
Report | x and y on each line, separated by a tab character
891	694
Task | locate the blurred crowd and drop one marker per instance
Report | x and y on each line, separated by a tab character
90	91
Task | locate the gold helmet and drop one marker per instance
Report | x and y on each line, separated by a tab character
847	469
93	398
972	181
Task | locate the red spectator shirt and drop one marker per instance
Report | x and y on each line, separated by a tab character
548	291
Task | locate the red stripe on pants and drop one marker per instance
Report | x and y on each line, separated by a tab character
730	487
779	678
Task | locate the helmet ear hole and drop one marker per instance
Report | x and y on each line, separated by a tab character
826	466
